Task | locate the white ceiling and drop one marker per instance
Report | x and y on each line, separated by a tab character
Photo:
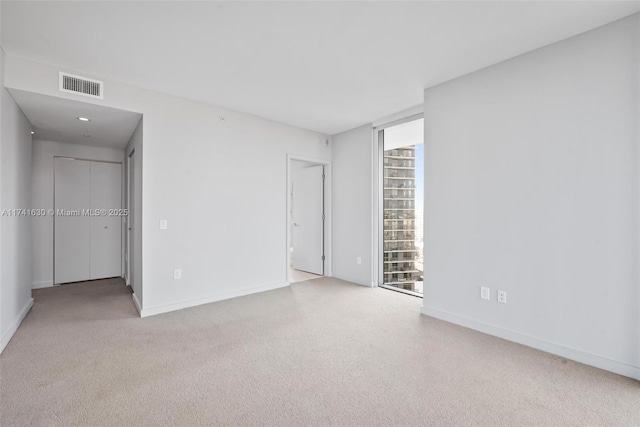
326	66
56	119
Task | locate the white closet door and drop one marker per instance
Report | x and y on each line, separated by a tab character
106	231
72	239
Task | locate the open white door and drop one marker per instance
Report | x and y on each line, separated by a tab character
308	222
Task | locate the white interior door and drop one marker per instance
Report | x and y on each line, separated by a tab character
307	218
106	231
87	231
129	219
72	232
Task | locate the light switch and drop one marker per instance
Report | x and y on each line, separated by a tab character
163	224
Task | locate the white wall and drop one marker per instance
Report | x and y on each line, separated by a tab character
531	186
135	143
2	94
217	176
42	173
351	209
15	193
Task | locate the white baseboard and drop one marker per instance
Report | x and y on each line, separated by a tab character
137	304
40	285
145	312
539	344
16	323
352	279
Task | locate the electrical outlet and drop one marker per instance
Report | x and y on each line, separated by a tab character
485	293
177	274
358	260
502	297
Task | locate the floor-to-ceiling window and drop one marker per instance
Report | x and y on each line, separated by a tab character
402	207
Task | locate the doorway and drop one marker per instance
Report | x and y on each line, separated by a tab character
307	219
401	203
87	224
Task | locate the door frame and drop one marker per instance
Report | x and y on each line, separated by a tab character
377	231
327	212
128	219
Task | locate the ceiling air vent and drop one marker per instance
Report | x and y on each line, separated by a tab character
80	85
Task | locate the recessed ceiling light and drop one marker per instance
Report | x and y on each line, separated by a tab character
33	133
83	119
86	135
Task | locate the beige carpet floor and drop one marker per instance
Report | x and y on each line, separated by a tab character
322	352
296	276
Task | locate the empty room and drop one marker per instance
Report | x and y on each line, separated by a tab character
340	213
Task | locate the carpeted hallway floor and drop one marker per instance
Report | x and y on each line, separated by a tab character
322	352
